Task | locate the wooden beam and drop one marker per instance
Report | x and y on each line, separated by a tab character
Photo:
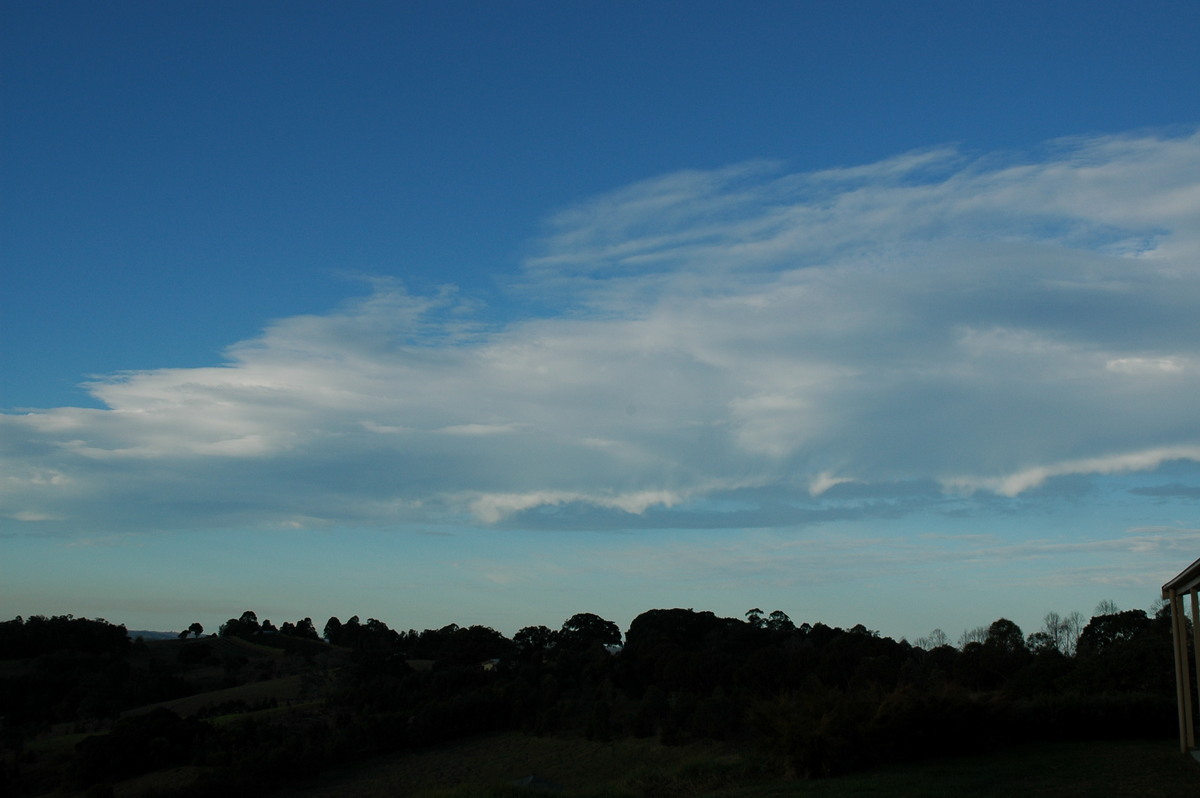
1183	699
1195	659
1187	581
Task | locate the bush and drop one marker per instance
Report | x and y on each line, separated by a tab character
138	745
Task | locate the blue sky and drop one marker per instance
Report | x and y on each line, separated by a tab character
498	312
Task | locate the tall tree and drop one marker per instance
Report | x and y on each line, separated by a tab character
583	629
1005	636
244	626
306	629
1105	630
333	631
533	639
778	621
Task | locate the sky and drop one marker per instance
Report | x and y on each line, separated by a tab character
493	313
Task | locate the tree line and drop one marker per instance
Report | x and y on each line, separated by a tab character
814	700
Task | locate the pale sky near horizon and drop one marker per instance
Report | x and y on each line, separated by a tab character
878	312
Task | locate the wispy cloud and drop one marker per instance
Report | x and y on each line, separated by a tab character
985	323
1021	481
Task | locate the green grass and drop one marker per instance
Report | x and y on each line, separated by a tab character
285	688
1097	770
57	743
486	768
580	766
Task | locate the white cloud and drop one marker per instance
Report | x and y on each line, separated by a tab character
824	482
1021	481
1149	366
987	322
479	429
492	507
34	516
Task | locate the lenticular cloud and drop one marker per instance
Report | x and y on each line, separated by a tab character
983	323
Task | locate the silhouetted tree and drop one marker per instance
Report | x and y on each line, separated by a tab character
778	621
533	640
244	626
1042	642
583	629
472	646
1125	652
305	629
1005	637
1105	630
976	635
1055	630
333	631
37	635
934	639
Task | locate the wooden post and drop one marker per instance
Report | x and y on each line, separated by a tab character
1187	582
1182	697
1196	658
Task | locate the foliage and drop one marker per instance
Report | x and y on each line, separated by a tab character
40	635
584	629
244	626
140	744
814	699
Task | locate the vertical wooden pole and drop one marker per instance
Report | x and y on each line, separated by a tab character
1195	658
1189	724
1182	699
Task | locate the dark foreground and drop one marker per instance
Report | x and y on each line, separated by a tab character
691	704
640	769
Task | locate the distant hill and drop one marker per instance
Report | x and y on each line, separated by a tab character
134	634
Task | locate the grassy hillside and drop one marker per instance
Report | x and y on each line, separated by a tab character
487	768
643	769
277	691
578	765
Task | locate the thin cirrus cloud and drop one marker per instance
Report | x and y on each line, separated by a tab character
738	345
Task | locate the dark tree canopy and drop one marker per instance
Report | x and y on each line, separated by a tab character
39	635
818	698
685	629
245	626
1005	636
531	639
333	630
303	628
472	645
583	629
1104	631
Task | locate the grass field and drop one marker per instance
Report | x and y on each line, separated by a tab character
643	769
283	689
1098	770
575	764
